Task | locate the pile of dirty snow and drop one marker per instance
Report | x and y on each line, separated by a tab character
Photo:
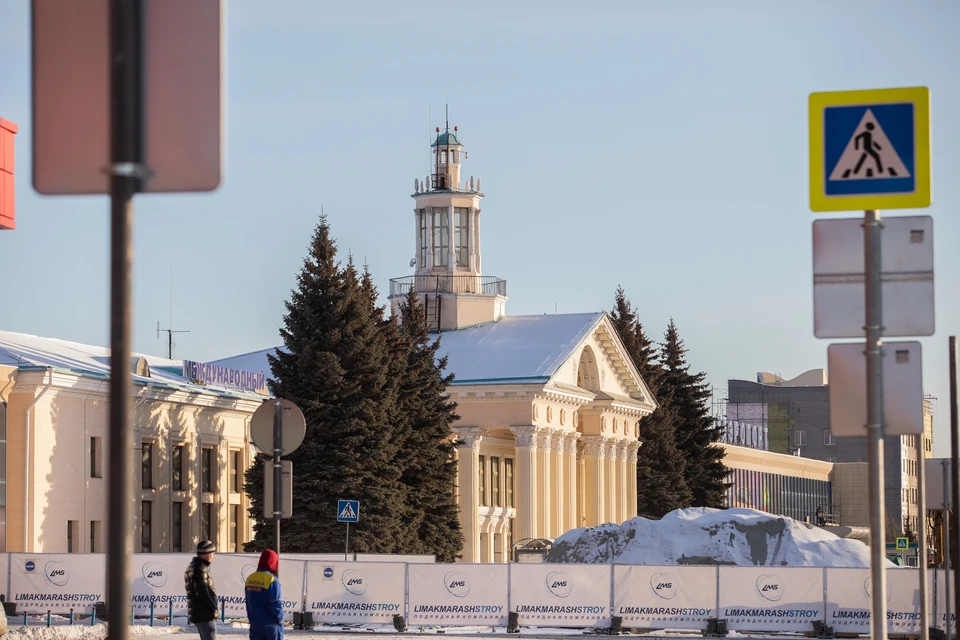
711	536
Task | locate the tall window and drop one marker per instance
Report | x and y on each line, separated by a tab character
235	472
146	526
177	526
483	481
799	438
508	480
206	471
495	481
95	537
461	238
441	237
176	462
73	540
234	524
206	520
422	221
96	457
828	438
146	465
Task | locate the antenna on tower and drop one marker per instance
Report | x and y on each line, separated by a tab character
447	107
171	330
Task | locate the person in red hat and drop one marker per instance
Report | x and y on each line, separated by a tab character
264	602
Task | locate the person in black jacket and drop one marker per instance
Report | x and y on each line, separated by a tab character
201	592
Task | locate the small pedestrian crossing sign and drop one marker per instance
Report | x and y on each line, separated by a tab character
870	149
903	543
348	511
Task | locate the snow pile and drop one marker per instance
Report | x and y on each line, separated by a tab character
711	536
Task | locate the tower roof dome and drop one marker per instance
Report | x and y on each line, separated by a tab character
445	139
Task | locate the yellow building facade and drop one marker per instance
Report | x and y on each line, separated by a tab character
191	448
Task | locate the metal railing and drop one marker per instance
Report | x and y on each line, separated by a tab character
440	283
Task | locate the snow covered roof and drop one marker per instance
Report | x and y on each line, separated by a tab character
30	352
515	349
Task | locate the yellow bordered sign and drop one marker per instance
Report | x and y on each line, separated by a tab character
870	149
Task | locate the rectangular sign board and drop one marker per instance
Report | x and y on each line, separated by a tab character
907	277
870	149
182	95
902	388
934	470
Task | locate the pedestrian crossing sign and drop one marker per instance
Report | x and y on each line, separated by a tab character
903	543
870	149
348	511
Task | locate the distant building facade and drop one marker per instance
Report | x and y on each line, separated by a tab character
191	448
795	416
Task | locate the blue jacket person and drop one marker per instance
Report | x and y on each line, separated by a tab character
264	602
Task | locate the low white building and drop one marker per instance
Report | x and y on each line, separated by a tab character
191	448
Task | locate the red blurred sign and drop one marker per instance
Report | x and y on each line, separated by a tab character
7	203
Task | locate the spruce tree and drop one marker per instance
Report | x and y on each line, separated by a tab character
661	482
335	366
661	469
696	431
642	350
428	453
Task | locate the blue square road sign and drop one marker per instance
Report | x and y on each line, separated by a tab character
348	511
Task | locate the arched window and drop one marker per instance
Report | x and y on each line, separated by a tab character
588	376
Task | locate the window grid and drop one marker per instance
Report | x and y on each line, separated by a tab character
441	237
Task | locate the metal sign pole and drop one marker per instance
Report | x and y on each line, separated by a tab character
277	473
346	545
946	547
955	465
872	230
922	520
126	17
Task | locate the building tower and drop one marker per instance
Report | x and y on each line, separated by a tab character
448	278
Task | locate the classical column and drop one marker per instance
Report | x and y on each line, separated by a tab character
451	246
610	473
622	482
557	492
544	505
571	491
468	442
593	454
632	448
486	540
526	486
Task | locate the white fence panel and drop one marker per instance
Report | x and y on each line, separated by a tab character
230	573
771	598
57	582
458	594
355	592
561	595
652	597
159	577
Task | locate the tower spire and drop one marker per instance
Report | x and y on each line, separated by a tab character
447	107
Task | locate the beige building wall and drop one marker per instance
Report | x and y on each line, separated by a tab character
538	460
60	446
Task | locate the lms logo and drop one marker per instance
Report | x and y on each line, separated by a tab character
354	581
457	583
559	583
154	574
770	587
663	585
57	573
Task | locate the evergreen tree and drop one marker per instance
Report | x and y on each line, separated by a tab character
335	366
661	482
696	431
429	464
661	469
642	350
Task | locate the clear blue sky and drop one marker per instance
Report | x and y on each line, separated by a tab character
661	146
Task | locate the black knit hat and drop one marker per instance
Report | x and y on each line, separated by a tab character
206	547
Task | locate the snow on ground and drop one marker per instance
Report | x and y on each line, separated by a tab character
711	536
62	630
